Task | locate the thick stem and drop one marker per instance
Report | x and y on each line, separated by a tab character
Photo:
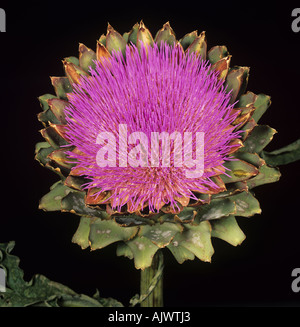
152	283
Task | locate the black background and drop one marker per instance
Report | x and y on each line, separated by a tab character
39	35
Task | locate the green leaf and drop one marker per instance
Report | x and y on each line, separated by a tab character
239	170
252	158
62	86
74	202
133	34
53	138
160	234
126	36
262	103
216	209
187	214
283	156
57	107
232	188
86	58
246	204
144	36
81	237
228	230
124	250
246	100
165	34
197	240
114	41
52	200
180	253
40	291
259	138
133	220
42	150
47	116
105	232
216	53
61	158
43	99
236	82
143	251
265	175
73	60
198	46
188	39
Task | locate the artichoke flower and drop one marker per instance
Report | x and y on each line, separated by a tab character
139	83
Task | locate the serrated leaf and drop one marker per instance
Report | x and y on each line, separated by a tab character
283	156
265	175
197	239
165	34
228	230
259	138
247	100
198	46
261	104
52	200
180	253
222	67
133	220
42	150
216	53
40	291
133	34
143	251
60	157
57	106
47	116
74	203
232	188
124	250
216	209
239	170
52	137
160	234
62	86
105	232
188	39
143	36
73	60
236	82
252	158
81	237
114	41
188	214
86	58
246	204
74	72
43	99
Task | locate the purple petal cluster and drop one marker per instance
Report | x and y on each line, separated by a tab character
153	89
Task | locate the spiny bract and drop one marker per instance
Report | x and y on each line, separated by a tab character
154	85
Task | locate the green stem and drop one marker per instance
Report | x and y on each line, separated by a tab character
152	283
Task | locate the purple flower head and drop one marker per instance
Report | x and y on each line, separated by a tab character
139	115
